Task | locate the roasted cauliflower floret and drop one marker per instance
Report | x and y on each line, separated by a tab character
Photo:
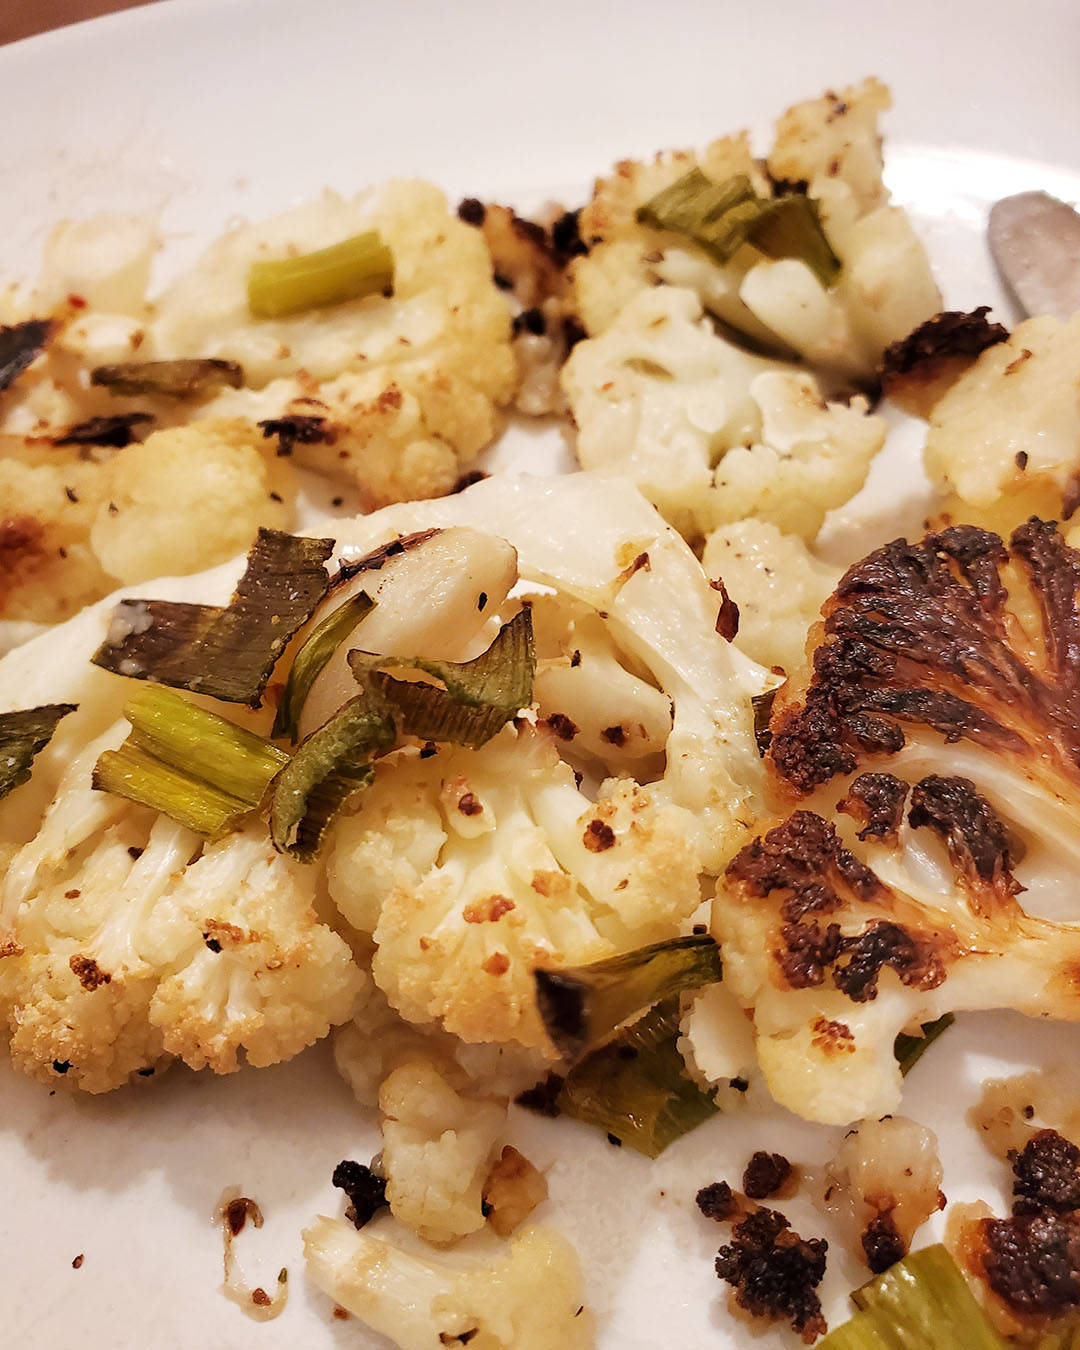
49	497
834	140
126	944
777	584
931	746
409	384
710	434
1005	440
187	498
524	871
829	149
525	1297
438	1148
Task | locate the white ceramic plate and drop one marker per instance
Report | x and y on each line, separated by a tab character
208	109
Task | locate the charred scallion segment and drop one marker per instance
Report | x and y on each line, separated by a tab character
910	1049
583	1004
478	697
922	1302
187	378
708	213
332	765
722	217
188	763
20	343
23	735
361	265
227	653
313	656
635	1087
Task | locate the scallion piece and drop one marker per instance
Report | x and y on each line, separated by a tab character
910	1049
722	217
361	265
790	227
188	763
328	769
313	656
479	697
580	1005
21	343
635	1087
711	214
23	735
188	377
922	1302
227	653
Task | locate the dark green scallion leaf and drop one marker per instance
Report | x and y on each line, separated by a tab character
328	769
361	265
188	763
23	735
227	653
910	1049
635	1087
580	1005
189	377
762	704
922	1302
479	698
20	343
313	656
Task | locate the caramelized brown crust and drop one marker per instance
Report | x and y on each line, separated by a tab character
918	369
925	634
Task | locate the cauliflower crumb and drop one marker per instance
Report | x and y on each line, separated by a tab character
438	1148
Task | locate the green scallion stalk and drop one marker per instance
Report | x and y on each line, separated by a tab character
134	773
580	1005
188	763
202	745
358	266
921	1303
324	640
23	735
635	1087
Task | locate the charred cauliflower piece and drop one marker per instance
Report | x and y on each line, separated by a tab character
1005	440
933	745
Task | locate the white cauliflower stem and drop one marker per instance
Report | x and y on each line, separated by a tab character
528	1299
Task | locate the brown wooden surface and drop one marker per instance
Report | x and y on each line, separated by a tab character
23	18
